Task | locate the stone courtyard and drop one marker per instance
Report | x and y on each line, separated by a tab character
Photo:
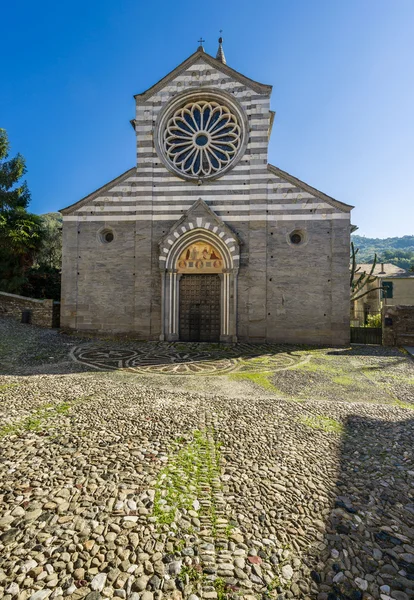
152	471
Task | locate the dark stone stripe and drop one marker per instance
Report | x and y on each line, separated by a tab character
185	193
249	152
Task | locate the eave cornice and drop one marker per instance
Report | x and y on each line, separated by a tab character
260	88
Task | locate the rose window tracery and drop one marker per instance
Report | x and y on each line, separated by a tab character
202	138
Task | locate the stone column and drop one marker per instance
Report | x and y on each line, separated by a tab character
162	332
228	306
171	305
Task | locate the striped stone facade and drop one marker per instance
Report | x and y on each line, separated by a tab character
272	289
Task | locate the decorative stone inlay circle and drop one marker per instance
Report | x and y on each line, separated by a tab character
202	138
187	359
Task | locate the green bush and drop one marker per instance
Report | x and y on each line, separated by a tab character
374	320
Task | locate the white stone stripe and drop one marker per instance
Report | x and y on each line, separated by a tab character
225	186
173	217
166	174
206	195
215	207
153	159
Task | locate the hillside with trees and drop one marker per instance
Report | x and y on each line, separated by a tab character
396	250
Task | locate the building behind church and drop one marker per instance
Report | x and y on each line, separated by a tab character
203	239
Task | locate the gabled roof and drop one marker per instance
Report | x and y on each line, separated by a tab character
384	270
308	188
260	88
98	192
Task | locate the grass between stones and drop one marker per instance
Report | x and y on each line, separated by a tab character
343	380
402	404
191	474
322	423
38	419
7	386
261	379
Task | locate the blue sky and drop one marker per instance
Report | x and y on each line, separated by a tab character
342	76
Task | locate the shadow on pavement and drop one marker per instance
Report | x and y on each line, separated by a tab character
370	533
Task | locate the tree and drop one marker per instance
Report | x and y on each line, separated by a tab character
360	280
20	231
50	252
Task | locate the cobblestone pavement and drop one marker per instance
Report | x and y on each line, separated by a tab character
284	473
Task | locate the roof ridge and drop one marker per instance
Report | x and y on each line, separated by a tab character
97	192
214	62
299	183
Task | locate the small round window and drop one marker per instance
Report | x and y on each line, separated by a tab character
107	236
295	238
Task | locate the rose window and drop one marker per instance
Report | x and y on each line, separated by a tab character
202	138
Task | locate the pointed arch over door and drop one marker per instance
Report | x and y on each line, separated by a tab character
199	248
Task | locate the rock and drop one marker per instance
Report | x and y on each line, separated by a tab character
6	521
361	583
339	577
40	595
93	596
155	582
255	560
140	584
399	595
33	515
174	568
9	536
13	589
98	582
79	573
147	596
315	576
287	572
408	557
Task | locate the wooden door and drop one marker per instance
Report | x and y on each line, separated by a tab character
200	308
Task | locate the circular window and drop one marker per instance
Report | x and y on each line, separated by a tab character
107	236
201	138
295	238
298	237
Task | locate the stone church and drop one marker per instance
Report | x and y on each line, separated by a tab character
203	239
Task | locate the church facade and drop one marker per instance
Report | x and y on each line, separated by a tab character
203	239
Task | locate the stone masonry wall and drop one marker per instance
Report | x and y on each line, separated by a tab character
42	311
398	326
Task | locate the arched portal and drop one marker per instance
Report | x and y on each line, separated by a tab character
199	285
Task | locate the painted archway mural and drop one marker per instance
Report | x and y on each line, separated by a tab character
201	258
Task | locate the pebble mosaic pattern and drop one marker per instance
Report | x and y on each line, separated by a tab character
188	359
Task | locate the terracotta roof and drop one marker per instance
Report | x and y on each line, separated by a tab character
384	270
